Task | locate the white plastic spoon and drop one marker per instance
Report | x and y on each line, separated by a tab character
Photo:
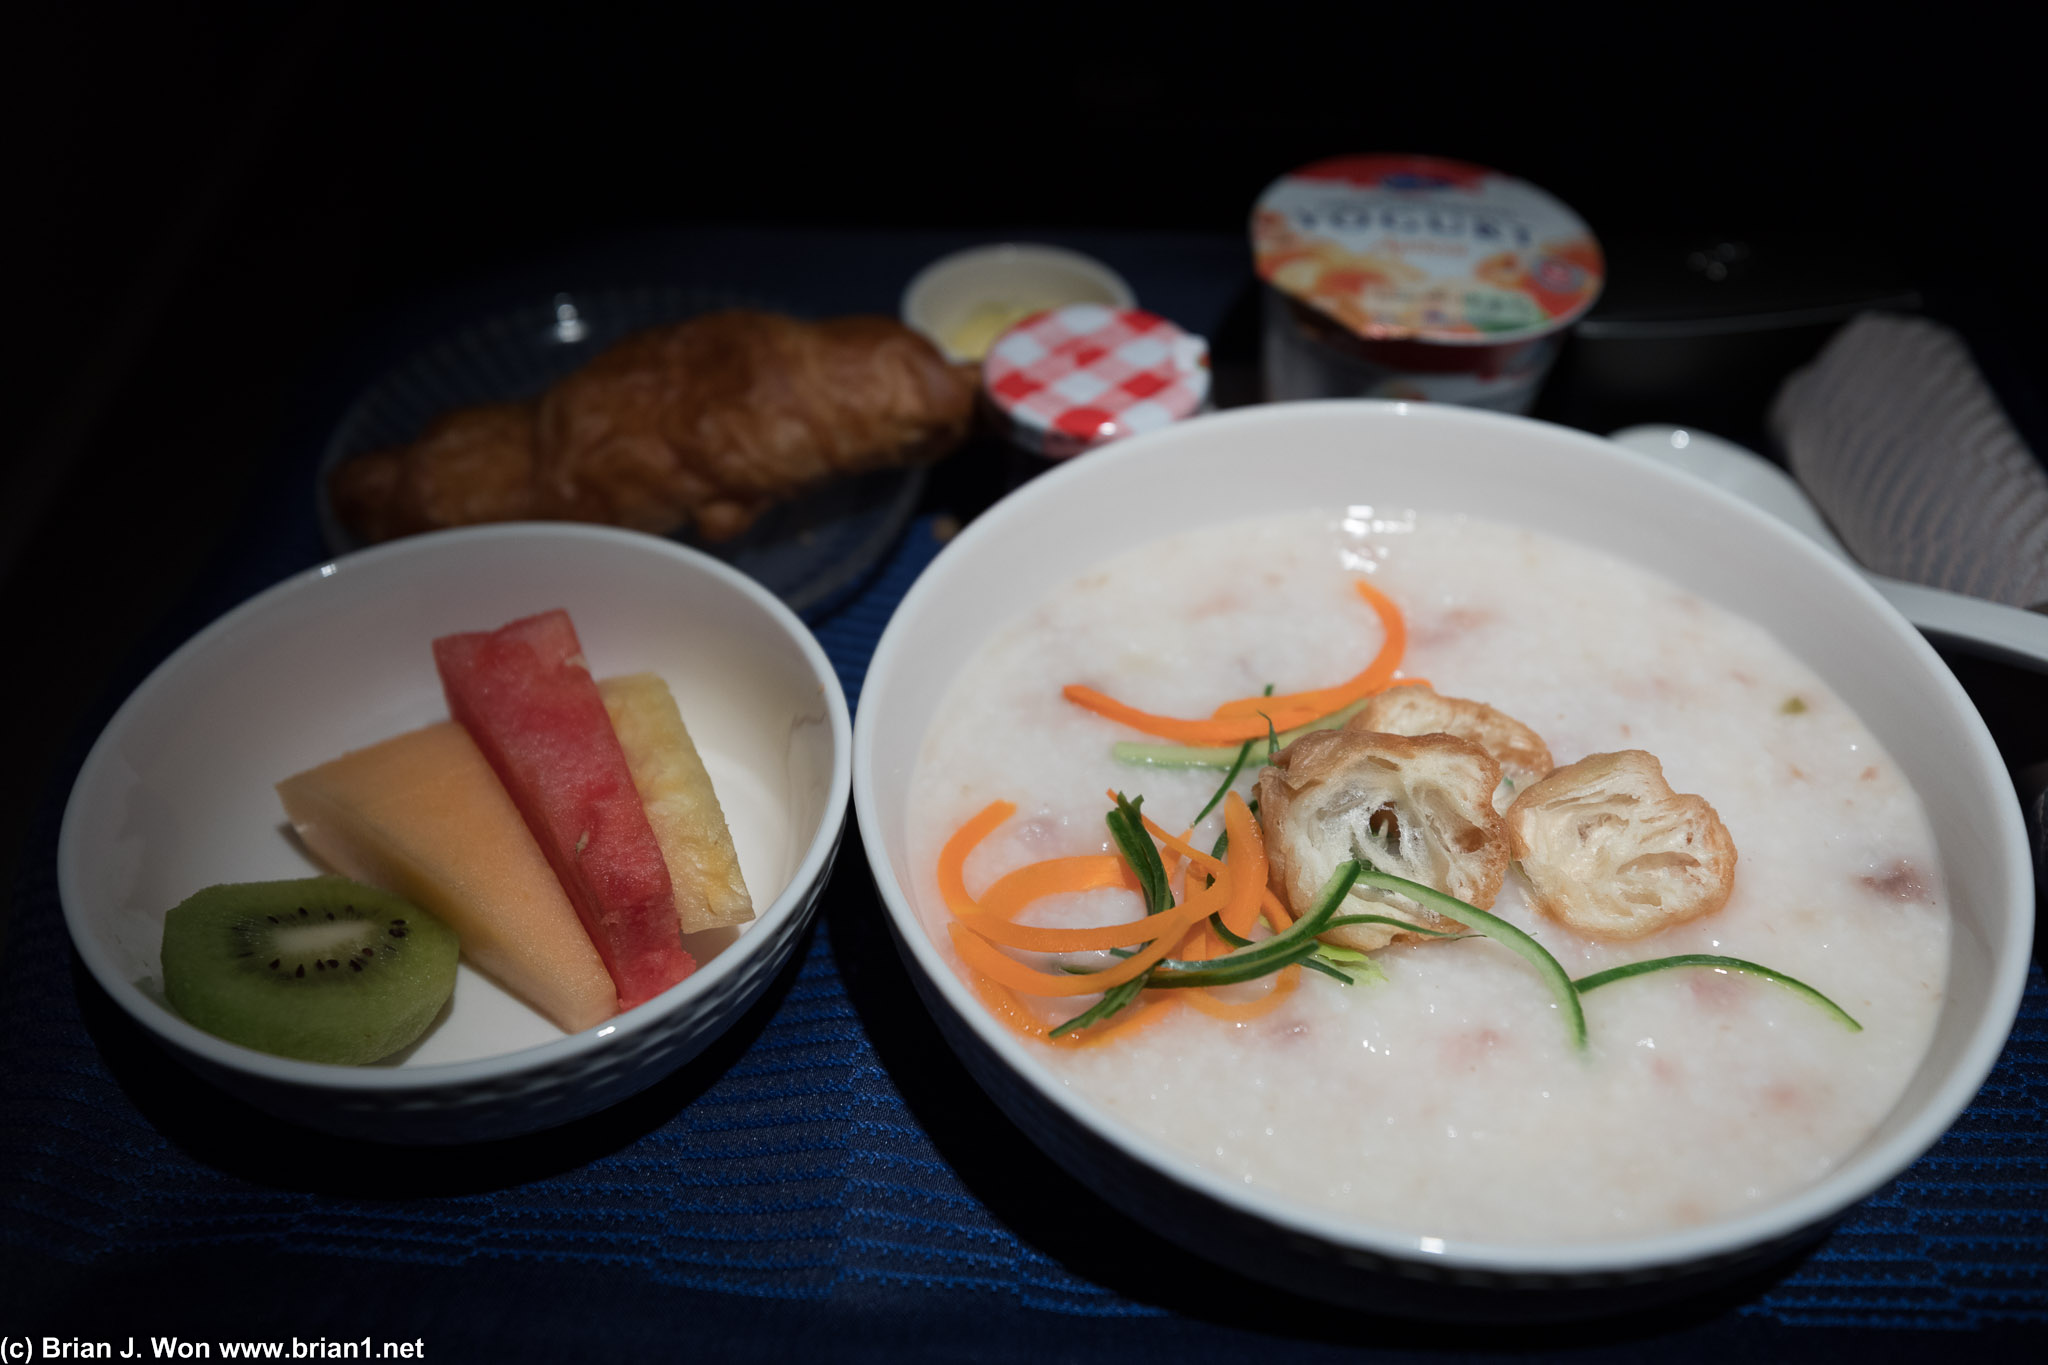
1969	623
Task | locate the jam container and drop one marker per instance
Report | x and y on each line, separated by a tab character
1417	277
1073	378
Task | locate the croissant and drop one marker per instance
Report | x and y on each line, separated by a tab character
708	422
470	466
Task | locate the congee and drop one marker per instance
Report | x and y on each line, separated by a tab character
1606	765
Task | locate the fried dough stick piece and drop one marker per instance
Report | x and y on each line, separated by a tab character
1417	807
1417	709
1611	851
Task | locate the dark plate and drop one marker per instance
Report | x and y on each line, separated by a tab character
809	552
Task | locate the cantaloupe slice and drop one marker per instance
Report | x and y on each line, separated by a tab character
681	806
423	815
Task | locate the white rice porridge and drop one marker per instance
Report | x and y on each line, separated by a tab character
1447	1100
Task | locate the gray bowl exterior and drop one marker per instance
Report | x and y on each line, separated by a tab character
462	1109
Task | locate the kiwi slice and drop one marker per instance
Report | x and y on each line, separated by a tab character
323	969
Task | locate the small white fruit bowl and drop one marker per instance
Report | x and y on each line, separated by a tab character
1294	457
177	794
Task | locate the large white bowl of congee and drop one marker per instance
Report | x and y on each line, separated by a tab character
1440	1124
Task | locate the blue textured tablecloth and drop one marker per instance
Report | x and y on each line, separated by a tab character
825	1181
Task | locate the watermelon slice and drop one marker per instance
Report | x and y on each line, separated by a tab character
526	697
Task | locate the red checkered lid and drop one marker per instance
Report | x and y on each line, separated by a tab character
1084	374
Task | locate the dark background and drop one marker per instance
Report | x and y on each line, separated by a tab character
217	212
208	205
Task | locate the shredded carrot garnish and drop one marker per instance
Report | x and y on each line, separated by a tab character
1249	895
1149	1010
1004	1004
1169	858
1324	700
1012	891
1234	890
1201	945
1249	717
1005	970
953	857
1180	847
1197	732
1002	902
1247	866
1000	999
1250	870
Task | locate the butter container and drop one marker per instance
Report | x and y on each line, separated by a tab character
964	301
1417	277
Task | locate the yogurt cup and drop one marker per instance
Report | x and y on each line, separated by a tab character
1417	277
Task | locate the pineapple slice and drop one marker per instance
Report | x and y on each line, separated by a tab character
676	792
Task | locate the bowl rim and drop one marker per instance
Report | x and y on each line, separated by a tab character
1866	1169
568	1049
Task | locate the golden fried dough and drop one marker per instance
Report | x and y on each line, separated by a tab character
1416	807
1611	851
1417	709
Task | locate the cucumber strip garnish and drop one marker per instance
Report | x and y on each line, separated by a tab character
1501	932
1342	920
1113	999
1231	970
1244	751
1283	949
1315	962
1127	827
1221	756
1354	967
1722	964
1329	959
1223	931
1298	944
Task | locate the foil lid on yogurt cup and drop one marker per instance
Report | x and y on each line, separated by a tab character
1421	248
1075	377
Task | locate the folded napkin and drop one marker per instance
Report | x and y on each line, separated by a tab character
1905	448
